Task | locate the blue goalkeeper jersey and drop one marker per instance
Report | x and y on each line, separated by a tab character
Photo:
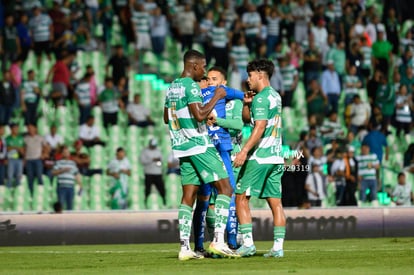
220	136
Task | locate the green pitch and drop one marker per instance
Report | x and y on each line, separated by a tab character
348	256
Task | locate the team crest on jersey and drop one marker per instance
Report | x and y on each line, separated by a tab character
195	91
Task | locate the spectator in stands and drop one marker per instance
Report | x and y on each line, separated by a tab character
239	57
67	174
377	141
287	23
120	65
290	78
273	30
402	195
368	165
317	101
331	85
9	42
48	160
316	183
119	169
357	115
382	52
8	98
385	99
205	27
16	79
337	171
312	62
252	26
151	159
30	94
351	84
83	97
320	33
219	42
53	139
159	30
186	23
372	86
15	154
351	140
89	133
24	36
34	146
141	26
60	76
92	85
82	160
403	115
354	58
58	19
138	114
408	79
123	91
110	102
351	177
42	32
77	14
3	156
331	128
313	139
302	15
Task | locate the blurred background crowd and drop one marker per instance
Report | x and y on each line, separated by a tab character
83	84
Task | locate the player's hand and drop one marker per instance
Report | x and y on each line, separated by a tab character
248	97
211	119
240	158
220	92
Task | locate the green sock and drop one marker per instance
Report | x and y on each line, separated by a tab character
247	234
221	211
185	218
210	220
279	233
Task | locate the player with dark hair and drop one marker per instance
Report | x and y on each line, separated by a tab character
261	158
199	160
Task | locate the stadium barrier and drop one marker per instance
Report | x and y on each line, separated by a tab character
162	226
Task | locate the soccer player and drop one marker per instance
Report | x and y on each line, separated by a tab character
218	130
199	160
261	159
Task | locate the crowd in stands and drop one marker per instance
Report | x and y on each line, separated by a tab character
353	59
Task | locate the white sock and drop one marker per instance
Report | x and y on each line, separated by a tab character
278	244
218	237
248	239
185	244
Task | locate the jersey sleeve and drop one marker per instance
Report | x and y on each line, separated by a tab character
193	92
233	93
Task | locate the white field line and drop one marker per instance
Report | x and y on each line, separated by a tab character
174	251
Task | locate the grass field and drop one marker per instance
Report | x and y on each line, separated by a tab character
347	256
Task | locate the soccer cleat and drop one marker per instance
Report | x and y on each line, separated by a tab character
222	249
202	252
188	255
246	251
274	254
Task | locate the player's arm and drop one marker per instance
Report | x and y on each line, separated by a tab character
233	122
200	112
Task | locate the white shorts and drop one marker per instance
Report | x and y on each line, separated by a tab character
143	41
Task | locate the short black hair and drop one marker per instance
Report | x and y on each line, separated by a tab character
119	149
220	70
261	65
193	55
400	174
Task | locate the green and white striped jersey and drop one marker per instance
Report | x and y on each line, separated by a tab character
350	79
40	27
366	54
83	91
188	137
366	166
267	105
29	91
66	179
403	114
240	54
288	73
141	21
219	37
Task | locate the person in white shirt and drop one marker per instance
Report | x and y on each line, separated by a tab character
402	193
357	114
89	133
119	169
151	159
53	139
315	185
138	114
338	173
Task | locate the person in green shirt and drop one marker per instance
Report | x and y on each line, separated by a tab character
382	52
15	153
316	101
110	102
385	99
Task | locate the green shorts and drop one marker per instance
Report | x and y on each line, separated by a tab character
200	168
264	180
